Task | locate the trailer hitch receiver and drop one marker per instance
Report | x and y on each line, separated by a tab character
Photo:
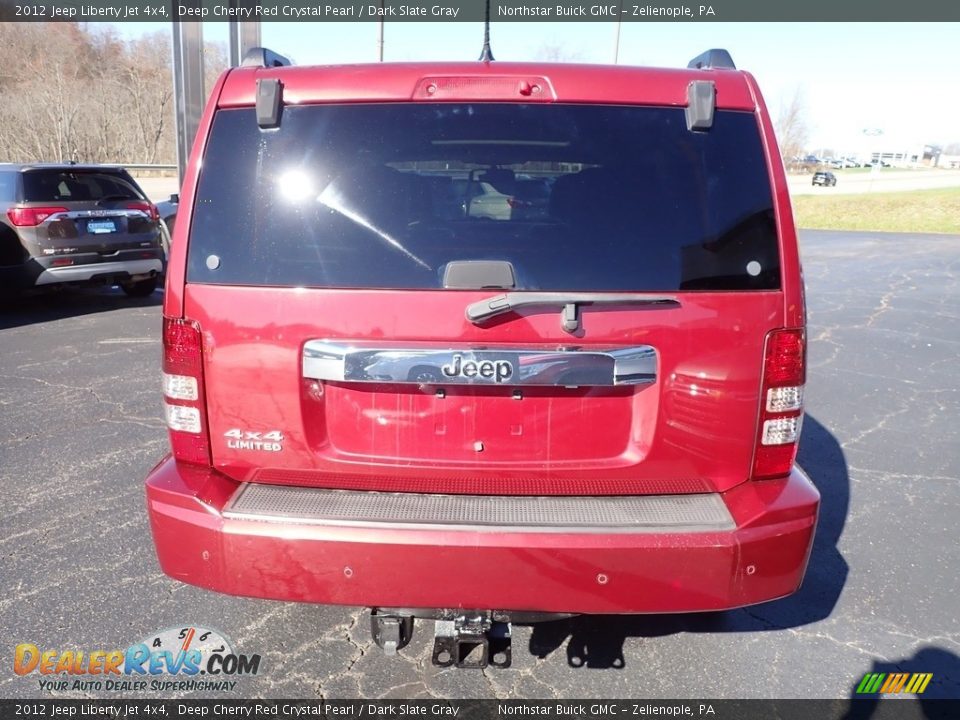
471	641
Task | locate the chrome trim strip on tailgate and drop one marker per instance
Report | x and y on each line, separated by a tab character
619	514
347	361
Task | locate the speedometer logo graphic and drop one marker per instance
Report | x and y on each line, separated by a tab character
194	638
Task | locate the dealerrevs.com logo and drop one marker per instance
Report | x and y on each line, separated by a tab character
176	659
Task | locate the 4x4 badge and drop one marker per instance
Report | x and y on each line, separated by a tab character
496	370
271	441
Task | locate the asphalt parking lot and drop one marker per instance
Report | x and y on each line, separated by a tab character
80	426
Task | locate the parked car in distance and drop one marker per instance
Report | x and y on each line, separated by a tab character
168	211
843	163
824	179
505	198
530	199
71	223
483	200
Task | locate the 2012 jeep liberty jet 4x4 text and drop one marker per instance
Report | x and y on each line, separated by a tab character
485	343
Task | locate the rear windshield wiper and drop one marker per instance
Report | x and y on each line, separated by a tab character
483	310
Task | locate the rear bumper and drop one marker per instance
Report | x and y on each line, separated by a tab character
761	557
92	271
36	272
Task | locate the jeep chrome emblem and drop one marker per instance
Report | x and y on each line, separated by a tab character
496	370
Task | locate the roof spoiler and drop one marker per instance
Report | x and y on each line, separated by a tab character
713	58
264	57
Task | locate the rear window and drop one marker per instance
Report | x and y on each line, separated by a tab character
8	186
78	185
575	197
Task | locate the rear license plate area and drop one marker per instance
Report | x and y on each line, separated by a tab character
101	227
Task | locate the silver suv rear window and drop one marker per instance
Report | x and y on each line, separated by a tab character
575	197
78	186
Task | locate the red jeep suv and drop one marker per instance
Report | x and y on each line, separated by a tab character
391	380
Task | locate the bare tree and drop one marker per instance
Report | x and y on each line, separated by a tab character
792	126
146	85
215	61
555	52
75	91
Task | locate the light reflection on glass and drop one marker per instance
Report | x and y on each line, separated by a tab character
295	185
334	199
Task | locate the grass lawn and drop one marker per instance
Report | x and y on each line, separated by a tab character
863	170
933	211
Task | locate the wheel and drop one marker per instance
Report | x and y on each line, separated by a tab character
140	288
11	249
166	232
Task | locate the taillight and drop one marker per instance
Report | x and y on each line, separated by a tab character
148	207
781	404
32	216
183	396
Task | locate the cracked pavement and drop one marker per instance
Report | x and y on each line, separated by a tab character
81	425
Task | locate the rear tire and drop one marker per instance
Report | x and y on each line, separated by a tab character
140	288
165	234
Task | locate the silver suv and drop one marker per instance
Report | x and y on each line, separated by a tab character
68	223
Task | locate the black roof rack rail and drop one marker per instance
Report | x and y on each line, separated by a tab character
262	57
712	58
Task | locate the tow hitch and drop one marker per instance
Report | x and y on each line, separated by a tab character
471	641
462	638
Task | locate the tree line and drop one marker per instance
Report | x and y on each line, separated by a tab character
79	91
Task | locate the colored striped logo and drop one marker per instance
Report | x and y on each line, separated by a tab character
894	683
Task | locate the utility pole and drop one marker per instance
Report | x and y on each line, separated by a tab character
380	39
188	84
616	36
243	35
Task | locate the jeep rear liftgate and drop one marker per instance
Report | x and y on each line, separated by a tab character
485	344
484	298
673	409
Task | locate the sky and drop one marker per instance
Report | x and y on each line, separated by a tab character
896	78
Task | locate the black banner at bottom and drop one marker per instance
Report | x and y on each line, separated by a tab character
872	709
